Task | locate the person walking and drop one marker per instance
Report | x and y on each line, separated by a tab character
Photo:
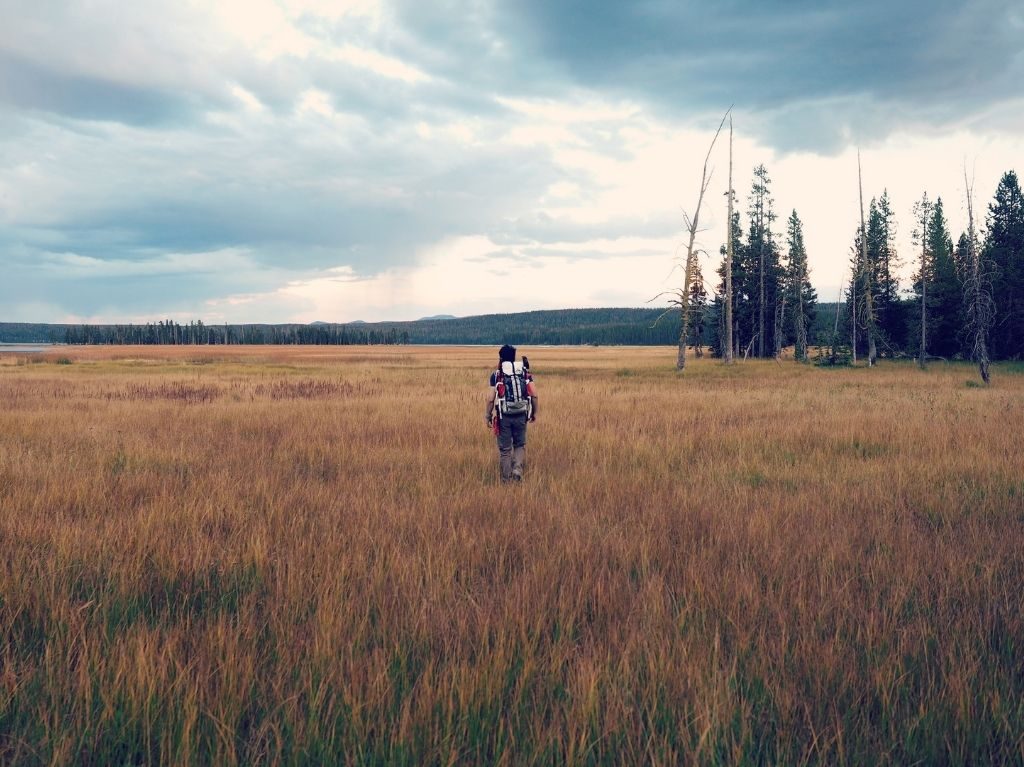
511	404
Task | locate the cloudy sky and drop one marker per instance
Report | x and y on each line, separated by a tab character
299	160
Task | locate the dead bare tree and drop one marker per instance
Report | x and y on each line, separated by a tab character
780	322
682	297
835	329
869	308
853	308
728	261
980	307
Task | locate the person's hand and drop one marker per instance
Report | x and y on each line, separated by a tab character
490	421
533	418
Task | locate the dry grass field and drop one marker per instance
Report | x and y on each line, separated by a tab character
303	556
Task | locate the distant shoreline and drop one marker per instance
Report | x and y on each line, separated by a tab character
25	348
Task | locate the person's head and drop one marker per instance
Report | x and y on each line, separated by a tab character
507	353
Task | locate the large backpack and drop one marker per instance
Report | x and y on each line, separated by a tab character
511	389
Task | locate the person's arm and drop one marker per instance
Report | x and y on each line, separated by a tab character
489	401
489	412
533	408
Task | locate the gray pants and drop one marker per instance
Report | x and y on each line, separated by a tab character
512	446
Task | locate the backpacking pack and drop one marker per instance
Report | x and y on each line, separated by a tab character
512	389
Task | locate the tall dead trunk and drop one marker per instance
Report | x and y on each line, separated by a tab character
780	320
980	307
853	309
691	254
728	262
925	212
835	329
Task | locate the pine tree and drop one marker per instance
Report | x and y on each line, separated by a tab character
923	276
1004	250
884	264
856	318
698	310
762	259
802	297
945	299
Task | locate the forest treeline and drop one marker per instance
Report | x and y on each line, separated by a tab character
617	326
935	315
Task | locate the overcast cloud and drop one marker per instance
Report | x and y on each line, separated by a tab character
277	160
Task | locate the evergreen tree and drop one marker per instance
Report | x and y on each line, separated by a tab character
740	309
884	264
1004	252
762	267
945	291
698	310
923	277
856	319
962	266
802	297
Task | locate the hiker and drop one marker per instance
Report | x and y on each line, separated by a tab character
511	402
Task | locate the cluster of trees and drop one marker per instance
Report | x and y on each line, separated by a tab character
962	294
171	333
773	301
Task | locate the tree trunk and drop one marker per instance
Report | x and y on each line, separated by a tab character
691	255
728	263
980	299
684	303
853	308
760	302
780	319
924	295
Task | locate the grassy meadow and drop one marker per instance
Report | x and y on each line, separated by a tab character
304	556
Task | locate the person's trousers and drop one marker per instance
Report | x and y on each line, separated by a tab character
512	446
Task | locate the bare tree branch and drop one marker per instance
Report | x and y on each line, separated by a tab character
691	226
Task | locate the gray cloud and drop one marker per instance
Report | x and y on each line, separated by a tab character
836	68
123	137
29	85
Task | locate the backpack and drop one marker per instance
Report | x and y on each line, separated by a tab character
511	387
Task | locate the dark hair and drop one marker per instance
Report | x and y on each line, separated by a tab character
507	353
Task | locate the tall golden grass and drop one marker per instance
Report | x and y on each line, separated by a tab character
298	556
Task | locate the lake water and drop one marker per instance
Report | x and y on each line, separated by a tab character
24	348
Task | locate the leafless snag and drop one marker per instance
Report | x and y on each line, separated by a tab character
728	262
780	321
980	306
683	296
835	330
